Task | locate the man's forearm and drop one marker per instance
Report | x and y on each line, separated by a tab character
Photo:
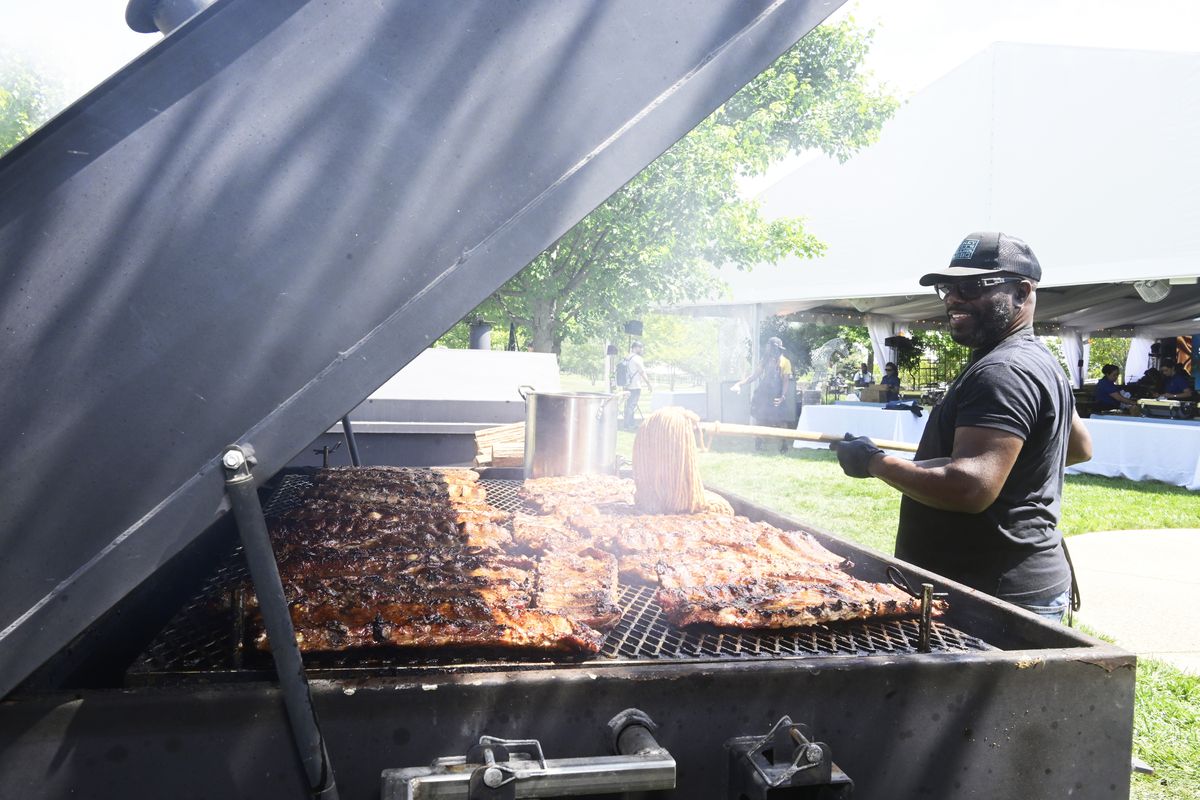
936	482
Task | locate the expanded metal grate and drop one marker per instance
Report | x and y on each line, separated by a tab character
206	638
643	633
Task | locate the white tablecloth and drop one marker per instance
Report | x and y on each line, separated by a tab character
1144	449
866	419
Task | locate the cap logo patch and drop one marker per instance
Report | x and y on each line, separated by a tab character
966	249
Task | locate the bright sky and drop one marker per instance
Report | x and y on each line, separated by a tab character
84	41
918	41
79	42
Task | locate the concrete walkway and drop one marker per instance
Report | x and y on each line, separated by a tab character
1142	589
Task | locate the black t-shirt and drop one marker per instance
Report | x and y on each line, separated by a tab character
1012	549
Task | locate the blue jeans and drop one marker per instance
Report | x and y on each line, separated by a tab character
1054	609
631	404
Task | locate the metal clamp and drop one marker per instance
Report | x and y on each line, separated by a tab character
927	597
324	452
785	758
807	754
498	769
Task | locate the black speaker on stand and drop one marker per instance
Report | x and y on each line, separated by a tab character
634	328
898	345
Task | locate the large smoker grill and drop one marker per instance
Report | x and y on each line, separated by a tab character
245	232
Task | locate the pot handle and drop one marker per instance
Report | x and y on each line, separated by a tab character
607	400
524	394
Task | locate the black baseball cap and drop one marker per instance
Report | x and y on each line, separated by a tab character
988	253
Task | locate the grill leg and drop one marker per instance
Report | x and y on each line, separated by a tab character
264	572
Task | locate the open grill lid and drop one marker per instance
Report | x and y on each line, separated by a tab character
243	233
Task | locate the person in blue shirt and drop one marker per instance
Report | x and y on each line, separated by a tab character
891	380
1179	383
1108	394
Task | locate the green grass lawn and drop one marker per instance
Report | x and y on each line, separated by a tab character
809	486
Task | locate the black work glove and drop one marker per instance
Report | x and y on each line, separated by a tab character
854	454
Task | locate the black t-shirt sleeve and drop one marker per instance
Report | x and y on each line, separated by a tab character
999	396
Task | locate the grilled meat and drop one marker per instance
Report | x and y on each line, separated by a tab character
413	558
573	494
695	593
581	586
396	485
728	571
318	520
395	492
643	541
445	474
435	598
538	534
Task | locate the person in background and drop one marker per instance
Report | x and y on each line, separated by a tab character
1178	384
638	380
864	377
1150	384
1109	396
982	496
891	379
773	402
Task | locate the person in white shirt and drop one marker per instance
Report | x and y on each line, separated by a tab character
865	377
638	380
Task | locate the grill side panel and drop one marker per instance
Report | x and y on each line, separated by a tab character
994	726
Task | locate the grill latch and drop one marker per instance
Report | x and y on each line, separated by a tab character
784	762
506	769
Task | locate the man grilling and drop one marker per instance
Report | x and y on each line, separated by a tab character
982	496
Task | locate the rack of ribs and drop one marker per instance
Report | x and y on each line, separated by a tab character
570	494
728	571
438	598
415	558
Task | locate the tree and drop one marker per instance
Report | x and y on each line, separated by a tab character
1108	351
655	242
27	99
683	344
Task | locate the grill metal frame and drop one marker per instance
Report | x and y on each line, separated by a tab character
206	641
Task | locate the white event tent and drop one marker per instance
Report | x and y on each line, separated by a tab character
1090	155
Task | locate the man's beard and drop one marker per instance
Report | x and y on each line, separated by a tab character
990	322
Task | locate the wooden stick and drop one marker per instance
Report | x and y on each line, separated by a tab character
730	429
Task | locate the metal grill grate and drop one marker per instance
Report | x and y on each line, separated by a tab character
205	638
643	633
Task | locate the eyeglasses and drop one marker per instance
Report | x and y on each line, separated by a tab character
972	289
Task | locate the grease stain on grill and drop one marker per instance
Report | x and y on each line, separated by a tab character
204	640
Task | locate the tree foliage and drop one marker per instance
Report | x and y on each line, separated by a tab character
1108	351
685	344
656	241
27	99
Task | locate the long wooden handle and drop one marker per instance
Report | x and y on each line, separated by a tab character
730	429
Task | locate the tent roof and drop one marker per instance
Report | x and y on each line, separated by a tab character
1088	154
